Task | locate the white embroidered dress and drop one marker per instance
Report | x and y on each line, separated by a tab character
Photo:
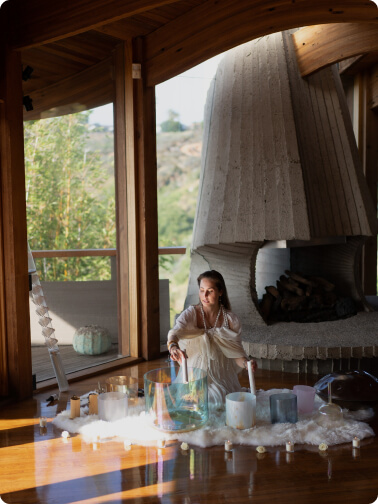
213	351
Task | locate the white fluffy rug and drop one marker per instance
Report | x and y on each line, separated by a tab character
307	430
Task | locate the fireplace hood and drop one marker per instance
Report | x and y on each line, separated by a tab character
280	166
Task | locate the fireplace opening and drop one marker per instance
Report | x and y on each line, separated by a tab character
314	281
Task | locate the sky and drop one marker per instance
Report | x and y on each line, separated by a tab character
185	94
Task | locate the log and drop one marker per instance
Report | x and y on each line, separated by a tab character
299	278
293	303
273	291
266	306
327	286
290	286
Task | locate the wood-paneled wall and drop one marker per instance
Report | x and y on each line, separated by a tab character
14	294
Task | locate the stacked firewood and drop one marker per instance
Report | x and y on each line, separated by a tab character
302	298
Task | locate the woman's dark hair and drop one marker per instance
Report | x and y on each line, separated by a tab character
217	278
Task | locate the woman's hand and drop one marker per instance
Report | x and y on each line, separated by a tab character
242	362
177	354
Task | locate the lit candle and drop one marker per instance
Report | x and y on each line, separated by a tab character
184	446
356	442
228	446
161	443
65	436
289	446
43	421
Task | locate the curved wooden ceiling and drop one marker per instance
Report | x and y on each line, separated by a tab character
71	47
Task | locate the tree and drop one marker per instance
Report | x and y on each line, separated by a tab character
66	205
172	124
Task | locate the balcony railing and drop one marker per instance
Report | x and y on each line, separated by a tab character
75	304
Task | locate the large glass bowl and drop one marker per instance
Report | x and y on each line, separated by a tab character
175	406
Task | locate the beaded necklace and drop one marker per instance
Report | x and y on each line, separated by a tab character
225	321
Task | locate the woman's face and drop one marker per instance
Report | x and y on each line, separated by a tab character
209	292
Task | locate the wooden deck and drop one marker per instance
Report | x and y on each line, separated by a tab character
72	361
38	467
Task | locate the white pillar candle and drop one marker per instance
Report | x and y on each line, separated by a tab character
43	421
184	446
356	442
161	443
289	446
127	444
251	377
228	446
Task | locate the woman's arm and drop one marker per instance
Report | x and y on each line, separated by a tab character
235	325
184	321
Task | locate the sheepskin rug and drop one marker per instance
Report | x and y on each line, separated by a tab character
308	430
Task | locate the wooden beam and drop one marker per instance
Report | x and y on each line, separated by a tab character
42	21
145	156
137	205
323	45
90	88
218	25
3	332
374	88
14	293
128	327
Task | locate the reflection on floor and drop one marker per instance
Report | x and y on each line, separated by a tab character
38	466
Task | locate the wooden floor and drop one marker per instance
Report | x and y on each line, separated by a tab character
39	467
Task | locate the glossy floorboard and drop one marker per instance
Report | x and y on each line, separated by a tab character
37	466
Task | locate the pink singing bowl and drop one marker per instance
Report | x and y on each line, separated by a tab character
305	398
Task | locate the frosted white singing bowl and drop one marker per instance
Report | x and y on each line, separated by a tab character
240	410
112	406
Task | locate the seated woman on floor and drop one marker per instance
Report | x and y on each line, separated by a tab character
210	334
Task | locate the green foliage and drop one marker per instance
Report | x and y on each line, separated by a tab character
69	205
172	124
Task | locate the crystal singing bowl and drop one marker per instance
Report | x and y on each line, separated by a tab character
126	384
171	404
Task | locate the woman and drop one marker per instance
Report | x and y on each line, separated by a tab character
210	335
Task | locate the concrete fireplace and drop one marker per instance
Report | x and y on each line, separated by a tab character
280	169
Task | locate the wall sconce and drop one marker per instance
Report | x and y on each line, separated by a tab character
27	103
26	73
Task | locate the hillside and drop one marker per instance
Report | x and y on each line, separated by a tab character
178	170
179	165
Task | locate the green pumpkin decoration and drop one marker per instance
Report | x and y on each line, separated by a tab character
92	340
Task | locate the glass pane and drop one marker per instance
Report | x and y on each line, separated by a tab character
70	197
